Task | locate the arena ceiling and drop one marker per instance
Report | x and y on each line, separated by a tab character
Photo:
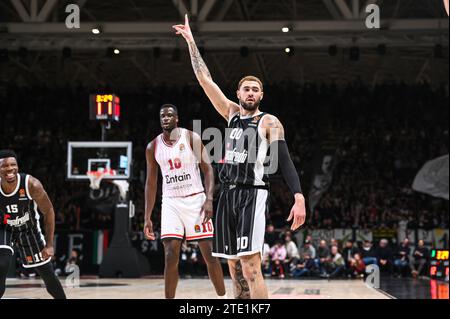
33	35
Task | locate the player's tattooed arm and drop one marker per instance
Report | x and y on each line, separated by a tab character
198	64
39	195
241	289
273	128
151	186
221	103
200	69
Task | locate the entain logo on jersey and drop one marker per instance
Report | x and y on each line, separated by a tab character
178	178
182	147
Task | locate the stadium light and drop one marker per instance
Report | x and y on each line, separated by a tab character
110	52
289	51
97	30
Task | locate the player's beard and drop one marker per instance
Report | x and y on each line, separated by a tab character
169	128
250	107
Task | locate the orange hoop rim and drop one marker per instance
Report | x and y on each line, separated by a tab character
96	177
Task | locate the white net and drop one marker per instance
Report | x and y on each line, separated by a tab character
96	177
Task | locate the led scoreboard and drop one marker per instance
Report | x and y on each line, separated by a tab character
104	107
439	264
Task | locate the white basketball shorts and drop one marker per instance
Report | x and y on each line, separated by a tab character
181	218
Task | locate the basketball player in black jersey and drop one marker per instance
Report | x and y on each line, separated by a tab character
21	196
242	206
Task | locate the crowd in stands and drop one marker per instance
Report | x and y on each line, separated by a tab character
285	258
383	136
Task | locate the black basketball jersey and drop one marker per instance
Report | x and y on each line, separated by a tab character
18	210
245	151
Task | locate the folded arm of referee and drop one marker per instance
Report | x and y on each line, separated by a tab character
274	132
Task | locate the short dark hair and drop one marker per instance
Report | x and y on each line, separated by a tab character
166	106
250	78
7	153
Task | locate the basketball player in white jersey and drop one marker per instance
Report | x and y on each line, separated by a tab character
186	209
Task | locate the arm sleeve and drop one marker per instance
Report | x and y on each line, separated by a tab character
286	165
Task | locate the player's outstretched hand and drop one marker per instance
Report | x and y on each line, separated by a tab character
298	214
148	230
207	209
184	29
47	253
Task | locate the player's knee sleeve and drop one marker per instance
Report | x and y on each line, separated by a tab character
5	260
52	283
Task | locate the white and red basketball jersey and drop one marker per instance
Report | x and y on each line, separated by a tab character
179	166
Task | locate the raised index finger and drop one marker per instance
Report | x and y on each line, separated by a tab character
186	20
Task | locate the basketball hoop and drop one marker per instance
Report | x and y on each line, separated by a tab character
96	177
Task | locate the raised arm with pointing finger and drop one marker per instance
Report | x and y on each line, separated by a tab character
222	104
245	182
270	125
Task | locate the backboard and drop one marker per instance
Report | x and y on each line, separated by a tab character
84	157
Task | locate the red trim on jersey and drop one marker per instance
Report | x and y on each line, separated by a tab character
200	236
172	235
193	194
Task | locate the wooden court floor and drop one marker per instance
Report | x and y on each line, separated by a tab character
153	288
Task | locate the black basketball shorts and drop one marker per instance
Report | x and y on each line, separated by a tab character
240	222
30	244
